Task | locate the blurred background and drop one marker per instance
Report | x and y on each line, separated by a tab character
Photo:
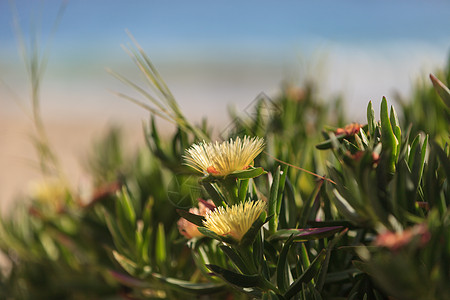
212	55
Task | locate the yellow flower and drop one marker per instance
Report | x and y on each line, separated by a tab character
234	220
224	158
50	194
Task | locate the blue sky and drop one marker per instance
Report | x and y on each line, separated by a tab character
102	22
372	46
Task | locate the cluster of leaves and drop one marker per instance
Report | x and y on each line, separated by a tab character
388	185
375	225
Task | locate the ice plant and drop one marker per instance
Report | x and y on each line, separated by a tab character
222	159
234	220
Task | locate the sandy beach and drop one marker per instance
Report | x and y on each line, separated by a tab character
71	140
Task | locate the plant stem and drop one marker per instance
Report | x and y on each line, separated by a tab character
247	255
229	187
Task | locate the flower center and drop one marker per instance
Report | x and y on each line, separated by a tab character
212	170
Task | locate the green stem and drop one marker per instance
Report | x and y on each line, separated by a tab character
269	285
230	189
243	188
248	258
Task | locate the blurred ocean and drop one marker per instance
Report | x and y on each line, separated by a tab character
211	54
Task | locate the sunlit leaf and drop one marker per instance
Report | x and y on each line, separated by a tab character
371	122
306	234
388	137
127	264
441	89
272	206
251	172
235	278
190	287
161	253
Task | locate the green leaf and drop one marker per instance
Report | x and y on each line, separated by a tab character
229	188
127	264
419	162
175	284
358	142
235	258
307	234
161	253
258	254
431	184
243	187
304	261
364	266
444	159
194	219
291	207
388	139
127	206
153	141
340	276
307	276
346	209
249	236
125	221
364	138
49	246
251	172
190	287
328	144
119	241
309	203
213	192
371	122
211	234
413	149
395	124
131	281
273	223
270	295
147	213
234	278
441	89
281	185
201	259
282	270
146	245
324	271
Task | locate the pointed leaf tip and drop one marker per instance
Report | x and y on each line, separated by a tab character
441	89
